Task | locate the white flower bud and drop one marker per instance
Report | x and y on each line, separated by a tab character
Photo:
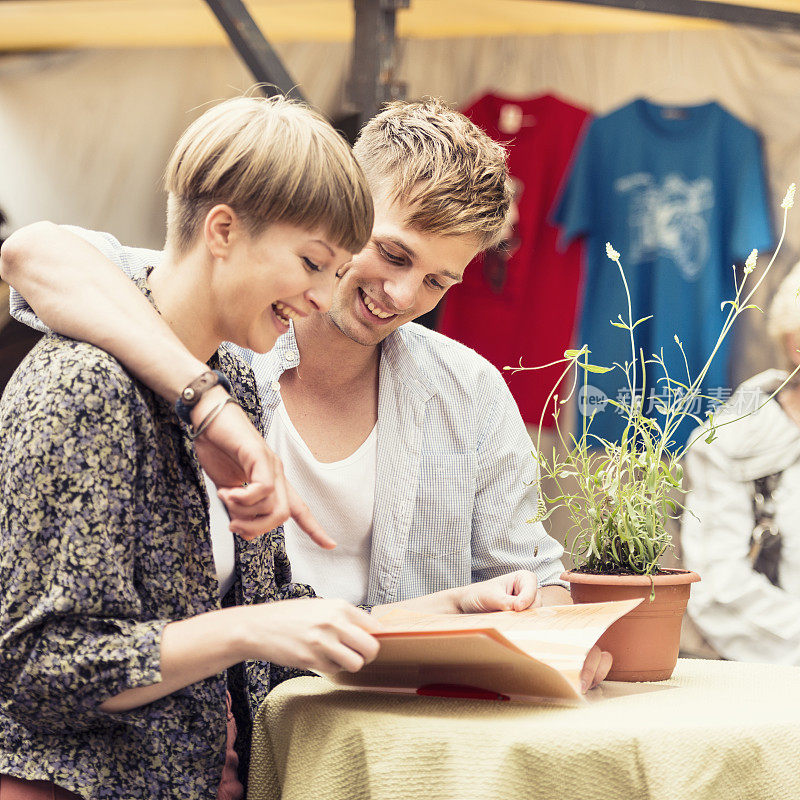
612	253
750	264
788	201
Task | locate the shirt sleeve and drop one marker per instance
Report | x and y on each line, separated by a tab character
72	629
739	611
574	209
507	497
131	260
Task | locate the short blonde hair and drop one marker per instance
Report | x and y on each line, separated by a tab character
453	177
784	312
271	160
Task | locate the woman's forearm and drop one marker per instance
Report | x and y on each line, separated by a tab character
308	633
76	291
191	650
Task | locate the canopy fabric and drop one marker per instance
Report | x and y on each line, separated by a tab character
85	134
54	24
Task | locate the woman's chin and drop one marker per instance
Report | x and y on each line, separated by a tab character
263	342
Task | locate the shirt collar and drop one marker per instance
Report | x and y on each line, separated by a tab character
269	367
395	354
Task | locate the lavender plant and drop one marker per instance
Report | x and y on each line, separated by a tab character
619	496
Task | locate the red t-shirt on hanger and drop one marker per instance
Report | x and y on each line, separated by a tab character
521	303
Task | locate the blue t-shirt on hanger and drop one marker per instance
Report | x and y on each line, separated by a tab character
680	192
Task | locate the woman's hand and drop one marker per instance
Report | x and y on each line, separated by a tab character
233	453
311	633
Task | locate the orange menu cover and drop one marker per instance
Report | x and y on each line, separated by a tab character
529	655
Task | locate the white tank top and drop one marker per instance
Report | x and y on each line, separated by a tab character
341	495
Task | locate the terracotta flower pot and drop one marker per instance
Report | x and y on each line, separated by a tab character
644	643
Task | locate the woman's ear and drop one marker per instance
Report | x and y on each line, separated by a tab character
219	230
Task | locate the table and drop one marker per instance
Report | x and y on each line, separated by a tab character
716	730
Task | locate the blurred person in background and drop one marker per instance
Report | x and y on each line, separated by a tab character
741	527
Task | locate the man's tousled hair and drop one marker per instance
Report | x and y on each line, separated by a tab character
450	174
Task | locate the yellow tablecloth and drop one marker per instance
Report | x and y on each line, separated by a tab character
716	730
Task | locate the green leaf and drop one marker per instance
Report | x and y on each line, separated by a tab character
640	321
753	305
711	436
594	368
619	325
544	517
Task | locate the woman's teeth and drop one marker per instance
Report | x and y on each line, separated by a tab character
373	309
283	313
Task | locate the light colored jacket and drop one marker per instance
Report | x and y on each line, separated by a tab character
739	611
455	476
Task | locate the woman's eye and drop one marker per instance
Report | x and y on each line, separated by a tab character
311	265
436	284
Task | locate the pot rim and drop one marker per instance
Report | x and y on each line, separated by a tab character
667	577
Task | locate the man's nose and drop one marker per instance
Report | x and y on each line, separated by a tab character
402	291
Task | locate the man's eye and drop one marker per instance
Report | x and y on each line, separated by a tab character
436	285
311	265
391	257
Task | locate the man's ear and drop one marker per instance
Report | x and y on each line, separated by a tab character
219	230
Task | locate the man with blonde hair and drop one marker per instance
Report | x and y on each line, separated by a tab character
407	445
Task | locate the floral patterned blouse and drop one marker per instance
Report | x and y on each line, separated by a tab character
104	539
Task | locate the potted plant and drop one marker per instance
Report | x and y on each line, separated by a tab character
619	496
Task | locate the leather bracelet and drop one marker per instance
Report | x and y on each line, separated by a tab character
191	395
210	417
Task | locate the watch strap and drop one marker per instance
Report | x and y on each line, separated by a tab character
191	395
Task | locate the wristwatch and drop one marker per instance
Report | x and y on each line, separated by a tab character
191	395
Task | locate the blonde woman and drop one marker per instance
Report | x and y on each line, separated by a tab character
114	644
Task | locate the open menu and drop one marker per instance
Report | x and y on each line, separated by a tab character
517	655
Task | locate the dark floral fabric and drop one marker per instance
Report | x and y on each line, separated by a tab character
104	539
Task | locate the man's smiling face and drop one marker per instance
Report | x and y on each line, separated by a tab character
401	274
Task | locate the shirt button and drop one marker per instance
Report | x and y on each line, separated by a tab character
290	357
275	386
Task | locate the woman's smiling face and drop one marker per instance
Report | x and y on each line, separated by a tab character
280	274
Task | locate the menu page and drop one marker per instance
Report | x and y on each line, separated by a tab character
554	634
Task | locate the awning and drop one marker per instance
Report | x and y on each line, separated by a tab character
56	24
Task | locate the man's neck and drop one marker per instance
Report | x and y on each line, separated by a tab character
330	359
332	396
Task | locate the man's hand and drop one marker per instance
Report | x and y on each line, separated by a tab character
514	591
248	475
595	668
